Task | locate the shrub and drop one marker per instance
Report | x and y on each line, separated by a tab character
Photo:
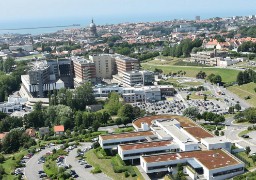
2	159
96	170
126	174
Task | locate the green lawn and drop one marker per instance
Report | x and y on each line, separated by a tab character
29	57
192	83
195	96
244	91
243	133
106	167
248	159
50	168
10	163
125	129
228	75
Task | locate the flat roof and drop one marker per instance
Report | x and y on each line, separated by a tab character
211	159
176	132
184	121
145	145
215	140
198	132
126	135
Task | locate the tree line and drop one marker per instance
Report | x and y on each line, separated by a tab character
10	82
246	76
183	49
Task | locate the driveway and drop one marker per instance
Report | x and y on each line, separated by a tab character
32	167
83	173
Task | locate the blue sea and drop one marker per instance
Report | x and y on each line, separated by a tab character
85	21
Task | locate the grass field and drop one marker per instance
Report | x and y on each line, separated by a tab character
244	91
195	96
228	75
248	159
10	164
106	167
243	133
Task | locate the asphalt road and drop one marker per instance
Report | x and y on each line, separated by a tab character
83	173
32	167
232	131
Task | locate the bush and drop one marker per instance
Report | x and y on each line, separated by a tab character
126	174
96	170
2	159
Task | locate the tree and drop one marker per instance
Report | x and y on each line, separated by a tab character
247	150
2	172
16	139
113	103
95	125
222	133
9	123
187	97
240	78
126	111
82	96
216	132
201	75
205	97
238	107
217	79
254	158
2	159
8	64
231	110
211	77
191	112
38	106
118	121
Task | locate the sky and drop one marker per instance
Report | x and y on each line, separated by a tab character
120	10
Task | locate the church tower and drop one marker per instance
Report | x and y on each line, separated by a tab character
93	29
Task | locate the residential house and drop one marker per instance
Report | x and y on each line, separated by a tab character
43	131
31	132
59	130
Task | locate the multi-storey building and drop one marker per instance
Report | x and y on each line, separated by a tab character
136	94
132	78
45	76
104	65
62	69
207	57
84	71
125	63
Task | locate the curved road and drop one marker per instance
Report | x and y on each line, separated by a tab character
232	131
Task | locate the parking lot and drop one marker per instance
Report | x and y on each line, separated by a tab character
81	167
175	106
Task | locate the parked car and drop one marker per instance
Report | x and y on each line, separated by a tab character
245	136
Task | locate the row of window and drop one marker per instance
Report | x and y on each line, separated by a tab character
116	143
144	153
161	167
228	172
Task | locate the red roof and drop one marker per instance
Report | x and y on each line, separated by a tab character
59	128
211	159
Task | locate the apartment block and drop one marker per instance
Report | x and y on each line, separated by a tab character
84	71
104	66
